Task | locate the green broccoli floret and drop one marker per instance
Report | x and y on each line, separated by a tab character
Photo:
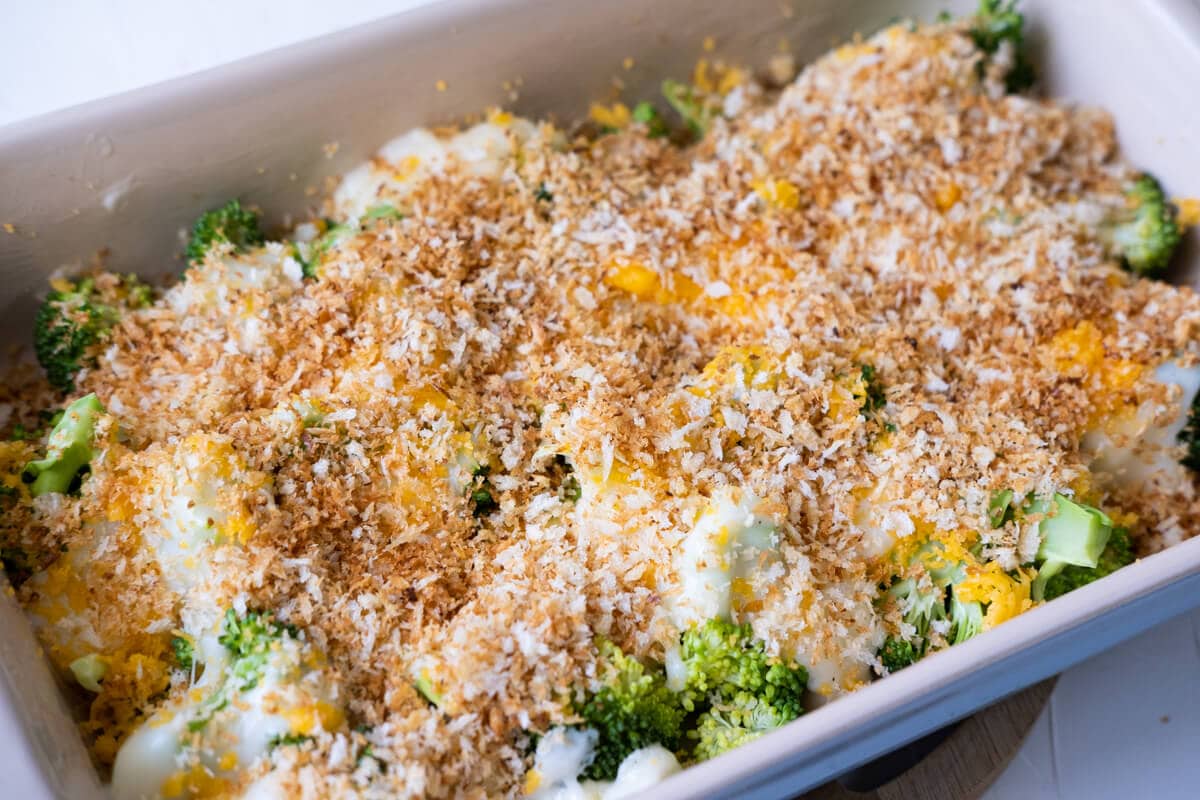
68	451
1117	553
896	654
695	110
966	620
384	211
632	709
921	606
1075	535
184	651
715	734
1145	233
1189	437
874	395
569	488
288	739
424	686
746	691
230	224
997	22
75	318
483	494
645	113
249	640
924	602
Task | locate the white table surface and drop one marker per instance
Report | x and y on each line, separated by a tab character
1122	725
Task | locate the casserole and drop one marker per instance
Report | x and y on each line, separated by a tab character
127	189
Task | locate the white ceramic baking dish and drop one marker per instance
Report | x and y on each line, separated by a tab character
128	173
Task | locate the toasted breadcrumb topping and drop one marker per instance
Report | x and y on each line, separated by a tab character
604	336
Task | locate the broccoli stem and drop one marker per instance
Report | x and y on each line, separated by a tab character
1075	535
69	449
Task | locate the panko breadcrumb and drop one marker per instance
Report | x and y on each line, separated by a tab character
605	335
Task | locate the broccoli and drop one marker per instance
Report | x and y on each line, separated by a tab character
1189	437
228	225
569	488
76	317
966	620
1144	234
424	686
383	211
1076	535
184	652
690	105
1000	508
90	670
286	739
68	451
249	640
543	195
896	654
740	691
874	397
715	735
1117	553
925	602
483	499
632	709
921	606
995	23
645	113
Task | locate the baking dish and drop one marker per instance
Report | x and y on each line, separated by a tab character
129	172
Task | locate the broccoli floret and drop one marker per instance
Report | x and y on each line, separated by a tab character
287	739
69	449
715	734
424	686
75	318
645	113
747	692
874	396
90	670
1189	437
921	606
1145	233
896	654
1076	535
249	640
1000	508
632	709
997	22
569	488
230	224
483	497
1117	553
383	211
184	652
696	112
924	602
966	620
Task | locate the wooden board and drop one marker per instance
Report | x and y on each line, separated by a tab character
966	764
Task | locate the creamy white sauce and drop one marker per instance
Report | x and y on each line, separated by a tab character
723	558
241	723
564	753
1133	451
